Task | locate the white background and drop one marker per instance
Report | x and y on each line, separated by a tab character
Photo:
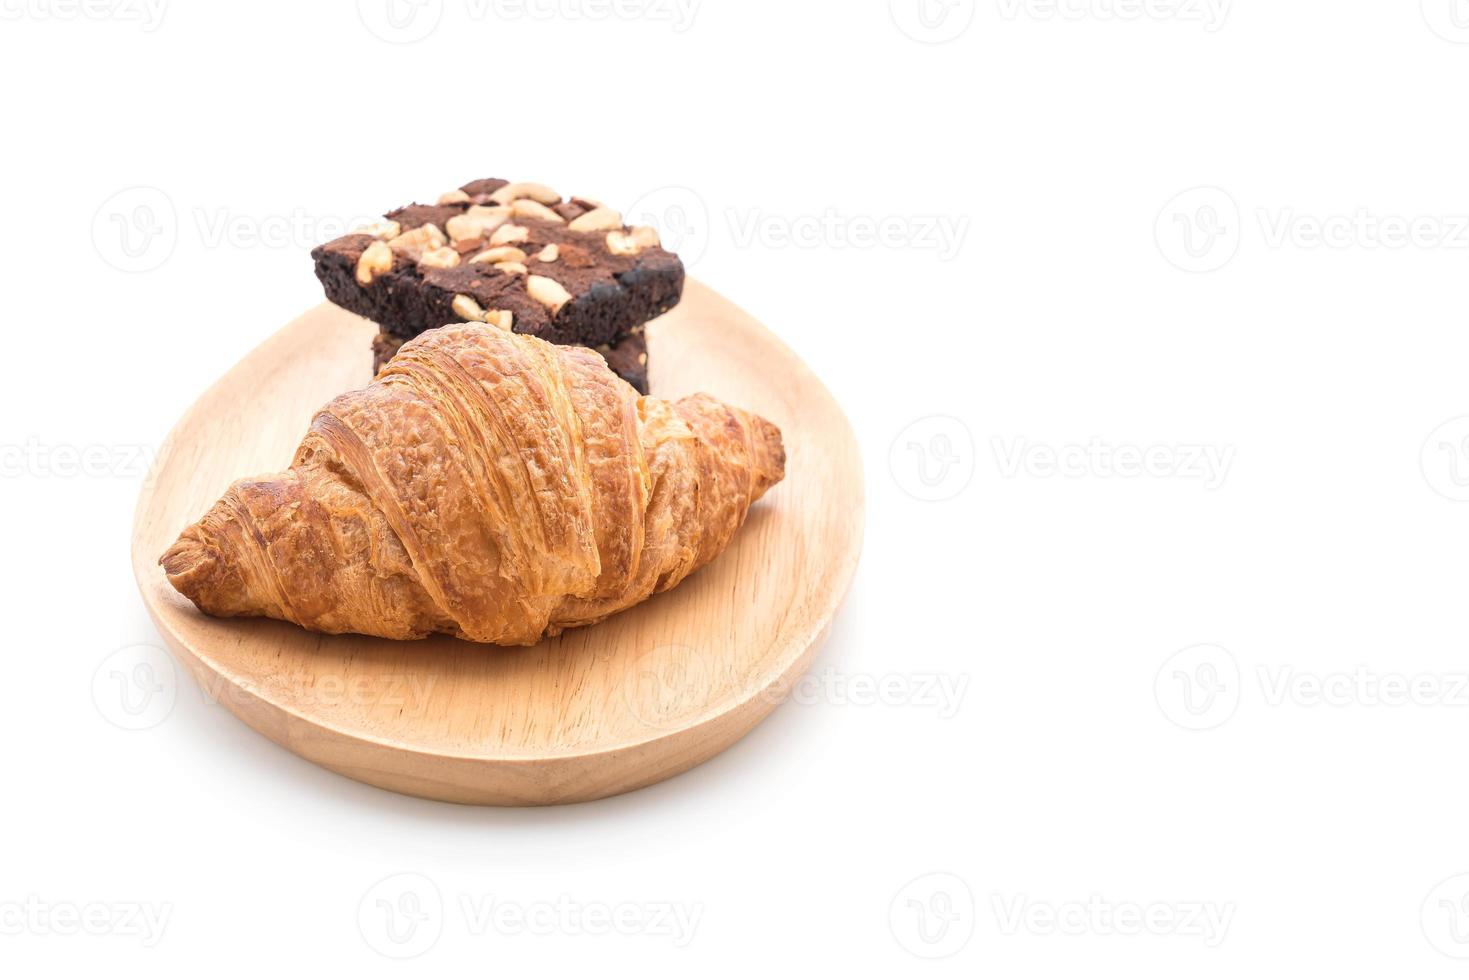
1177	690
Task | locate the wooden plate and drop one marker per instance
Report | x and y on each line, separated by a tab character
597	711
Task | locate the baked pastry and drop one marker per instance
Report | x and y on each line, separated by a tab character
517	255
486	484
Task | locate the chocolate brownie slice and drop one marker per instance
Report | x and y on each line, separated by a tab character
628	358
518	255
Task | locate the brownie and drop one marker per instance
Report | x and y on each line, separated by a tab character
628	358
518	255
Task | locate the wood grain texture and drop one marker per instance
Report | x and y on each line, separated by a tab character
596	711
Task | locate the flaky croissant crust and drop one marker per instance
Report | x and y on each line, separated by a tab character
488	485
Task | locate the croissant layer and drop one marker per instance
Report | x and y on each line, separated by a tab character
486	484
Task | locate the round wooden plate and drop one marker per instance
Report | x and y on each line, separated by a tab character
600	710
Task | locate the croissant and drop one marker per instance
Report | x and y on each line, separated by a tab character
486	484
